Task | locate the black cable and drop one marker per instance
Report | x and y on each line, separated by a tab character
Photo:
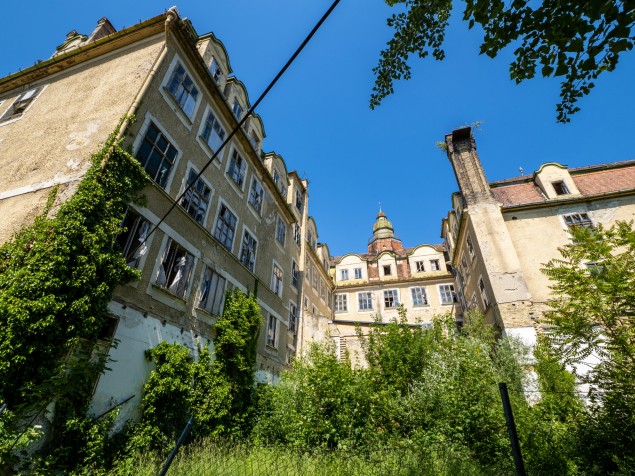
242	121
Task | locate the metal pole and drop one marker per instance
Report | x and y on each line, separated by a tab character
511	430
186	430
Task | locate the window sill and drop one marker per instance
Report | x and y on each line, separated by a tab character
166	297
234	185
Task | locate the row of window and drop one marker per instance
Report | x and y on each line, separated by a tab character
418	294
433	265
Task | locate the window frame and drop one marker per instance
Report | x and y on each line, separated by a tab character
358	273
365	301
443	294
271	337
259	198
221	205
483	292
172	271
281	231
190	174
391	295
560	188
236	174
166	88
7	118
247	256
421	268
213	127
419	293
341	303
295	274
277	282
218	295
131	237
139	143
344	274
215	71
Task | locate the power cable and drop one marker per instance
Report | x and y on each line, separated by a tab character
241	121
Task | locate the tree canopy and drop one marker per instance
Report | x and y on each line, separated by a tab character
576	41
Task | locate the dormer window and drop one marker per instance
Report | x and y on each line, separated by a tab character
20	105
255	142
560	188
215	71
237	109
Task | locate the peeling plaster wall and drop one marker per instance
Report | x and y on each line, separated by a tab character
67	123
129	369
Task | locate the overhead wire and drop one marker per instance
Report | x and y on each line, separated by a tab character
241	122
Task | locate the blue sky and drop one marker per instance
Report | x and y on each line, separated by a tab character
318	118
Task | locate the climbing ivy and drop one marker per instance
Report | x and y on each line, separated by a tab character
56	279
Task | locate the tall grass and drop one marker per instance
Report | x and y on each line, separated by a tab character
211	458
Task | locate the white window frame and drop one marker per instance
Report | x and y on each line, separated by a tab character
420	265
259	198
217	294
207	146
215	71
135	248
170	279
7	118
237	109
444	292
252	262
192	170
219	207
242	172
341	303
150	119
358	273
365	297
281	231
389	266
293	317
186	119
277	283
344	274
394	293
273	331
435	265
295	274
419	292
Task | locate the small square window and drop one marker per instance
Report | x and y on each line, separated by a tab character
420	266
344	274
387	270
358	273
434	265
560	188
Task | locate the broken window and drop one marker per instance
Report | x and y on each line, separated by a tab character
175	269
157	155
212	292
196	199
132	239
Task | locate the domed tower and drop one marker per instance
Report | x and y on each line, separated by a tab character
384	238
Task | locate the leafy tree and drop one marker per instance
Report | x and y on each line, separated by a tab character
574	40
593	315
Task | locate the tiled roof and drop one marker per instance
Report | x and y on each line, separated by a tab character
591	180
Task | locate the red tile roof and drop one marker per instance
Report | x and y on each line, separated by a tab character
591	180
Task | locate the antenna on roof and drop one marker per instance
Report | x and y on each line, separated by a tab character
522	172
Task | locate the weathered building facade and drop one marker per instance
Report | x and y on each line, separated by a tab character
500	234
370	287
